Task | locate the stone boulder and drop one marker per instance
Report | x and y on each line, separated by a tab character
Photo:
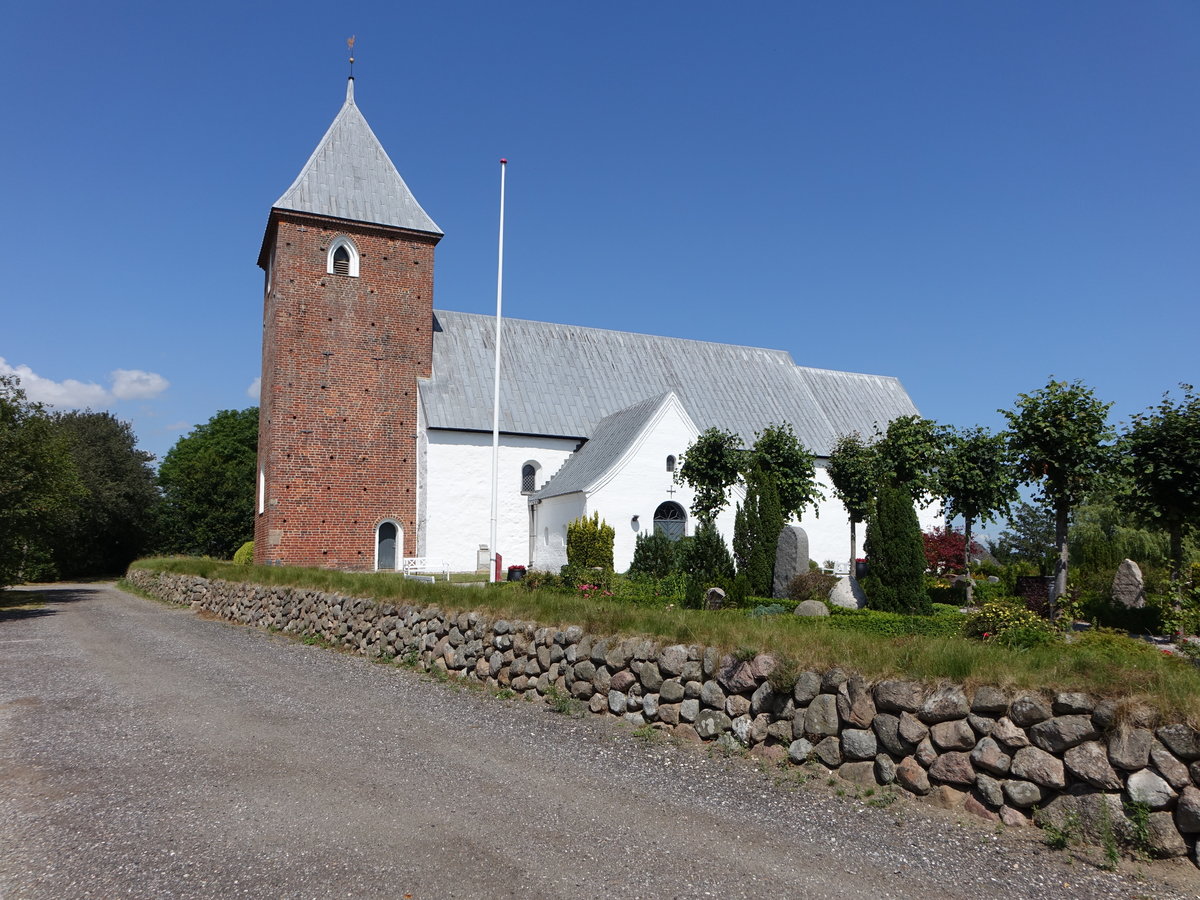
812	608
791	559
1128	587
848	594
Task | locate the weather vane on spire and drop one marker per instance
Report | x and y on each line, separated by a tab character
350	44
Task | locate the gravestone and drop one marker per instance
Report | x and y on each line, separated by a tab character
848	594
714	598
791	559
1128	588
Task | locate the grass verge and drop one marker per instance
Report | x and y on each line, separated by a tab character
1115	668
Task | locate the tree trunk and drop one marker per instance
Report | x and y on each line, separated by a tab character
853	550
1060	567
967	561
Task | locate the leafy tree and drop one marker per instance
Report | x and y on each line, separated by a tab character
710	468
976	480
1162	446
896	582
756	531
590	543
778	453
947	549
852	471
1059	439
908	455
38	481
1029	537
208	483
112	523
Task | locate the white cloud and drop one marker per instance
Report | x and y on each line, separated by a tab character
255	389
134	384
70	392
127	384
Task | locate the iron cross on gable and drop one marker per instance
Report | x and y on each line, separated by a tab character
671	490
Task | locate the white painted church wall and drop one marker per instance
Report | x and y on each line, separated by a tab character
457	493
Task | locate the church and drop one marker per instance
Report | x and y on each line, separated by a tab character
375	434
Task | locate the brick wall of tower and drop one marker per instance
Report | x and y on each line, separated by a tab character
338	421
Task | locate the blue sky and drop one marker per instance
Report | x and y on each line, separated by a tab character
971	197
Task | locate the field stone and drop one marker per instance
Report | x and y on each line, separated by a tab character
981	725
856	706
1171	769
989	790
1013	818
672	659
926	753
885	769
780	731
762	698
953	768
622	681
650	706
1194	770
988	756
811	608
898	696
911	729
1035	764
1110	714
887	730
736	676
1029	709
946	703
944	796
1146	786
989	700
670	691
1163	839
668	713
829	752
735	705
711	695
975	807
1061	733
1095	812
1129	748
691	690
847	593
821	717
740	726
1067	703
858	744
952	735
689	710
598	703
832	680
1009	734
808	685
710	723
1089	762
1182	740
1187	811
650	676
1023	794
799	751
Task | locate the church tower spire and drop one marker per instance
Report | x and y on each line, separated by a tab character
347	334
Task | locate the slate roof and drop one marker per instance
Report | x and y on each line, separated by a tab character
611	438
563	380
350	176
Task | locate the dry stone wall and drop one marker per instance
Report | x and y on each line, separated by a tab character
1061	758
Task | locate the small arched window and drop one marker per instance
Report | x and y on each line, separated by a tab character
528	478
343	258
671	463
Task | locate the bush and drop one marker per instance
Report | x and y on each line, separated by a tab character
244	555
946	622
811	586
590	543
653	555
644	590
1010	625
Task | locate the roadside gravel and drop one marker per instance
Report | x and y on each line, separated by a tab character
146	751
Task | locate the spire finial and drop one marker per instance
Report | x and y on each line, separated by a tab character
350	45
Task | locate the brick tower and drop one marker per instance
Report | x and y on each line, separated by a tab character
347	332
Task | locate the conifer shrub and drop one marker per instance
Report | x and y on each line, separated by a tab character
756	528
590	543
244	555
896	555
653	555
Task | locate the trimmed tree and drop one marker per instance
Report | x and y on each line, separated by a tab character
1162	453
778	453
977	481
756	531
852	471
710	468
908	455
896	582
1059	437
590	543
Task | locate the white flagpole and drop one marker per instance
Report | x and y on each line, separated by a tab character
496	394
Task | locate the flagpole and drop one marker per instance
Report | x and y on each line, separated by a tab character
496	393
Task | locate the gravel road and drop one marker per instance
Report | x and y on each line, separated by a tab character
146	751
